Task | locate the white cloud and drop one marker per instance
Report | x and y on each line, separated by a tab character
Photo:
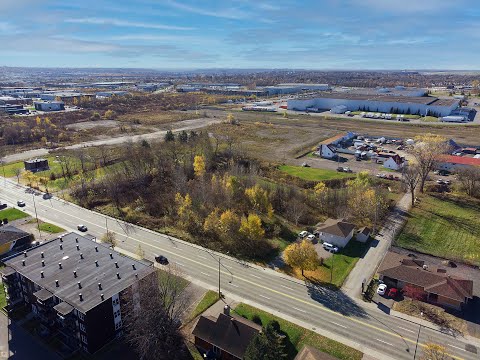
232	13
408	6
124	23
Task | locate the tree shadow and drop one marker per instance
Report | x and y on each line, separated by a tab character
332	298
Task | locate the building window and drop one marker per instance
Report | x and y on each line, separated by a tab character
216	350
82	327
118	325
81	316
84	339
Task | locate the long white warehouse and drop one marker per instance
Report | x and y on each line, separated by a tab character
377	103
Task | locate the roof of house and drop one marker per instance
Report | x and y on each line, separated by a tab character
338	227
310	353
93	263
9	233
332	139
433	279
231	334
365	230
461	160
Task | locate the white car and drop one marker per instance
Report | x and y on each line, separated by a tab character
382	288
330	247
311	237
303	234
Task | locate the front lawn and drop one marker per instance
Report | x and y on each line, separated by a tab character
447	227
50	228
314	174
12	214
298	336
210	298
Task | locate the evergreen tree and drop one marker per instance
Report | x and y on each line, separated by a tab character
169	136
268	345
183	136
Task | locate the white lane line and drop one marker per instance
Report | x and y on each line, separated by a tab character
293	307
385	342
255	276
343	326
176	262
205	274
456	347
412	331
286	287
264	297
177	248
202	257
234	285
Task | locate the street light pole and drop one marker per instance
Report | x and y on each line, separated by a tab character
36	216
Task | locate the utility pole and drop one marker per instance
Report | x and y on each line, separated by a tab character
416	344
219	272
331	268
36	216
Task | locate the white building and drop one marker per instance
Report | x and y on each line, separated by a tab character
363	234
327	148
337	232
394	163
293	88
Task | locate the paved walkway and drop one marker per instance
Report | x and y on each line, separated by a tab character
367	265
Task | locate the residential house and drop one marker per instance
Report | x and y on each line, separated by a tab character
363	234
328	148
226	337
13	239
76	288
453	162
310	353
337	232
429	283
394	162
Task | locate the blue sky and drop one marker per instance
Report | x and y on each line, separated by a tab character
176	34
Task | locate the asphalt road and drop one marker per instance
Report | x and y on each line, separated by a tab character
330	313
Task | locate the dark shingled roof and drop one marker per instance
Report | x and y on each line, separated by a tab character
399	267
338	227
231	334
82	260
10	233
310	353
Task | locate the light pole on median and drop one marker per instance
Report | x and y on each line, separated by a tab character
219	273
36	216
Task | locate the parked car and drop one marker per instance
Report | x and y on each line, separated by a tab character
82	228
347	169
311	237
21	203
393	293
330	247
440	182
161	259
382	288
303	234
340	169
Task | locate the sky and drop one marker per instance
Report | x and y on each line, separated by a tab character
176	34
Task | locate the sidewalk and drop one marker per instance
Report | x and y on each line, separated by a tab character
367	265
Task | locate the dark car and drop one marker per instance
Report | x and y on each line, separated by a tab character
161	259
82	228
47	196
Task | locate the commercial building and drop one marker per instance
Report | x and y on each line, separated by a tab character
13	109
424	105
76	288
294	88
107	94
49	105
62	95
454	163
36	165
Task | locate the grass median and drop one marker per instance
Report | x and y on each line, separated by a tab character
12	214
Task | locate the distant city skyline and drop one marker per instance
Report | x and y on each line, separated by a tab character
280	34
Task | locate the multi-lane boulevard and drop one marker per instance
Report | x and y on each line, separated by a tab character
330	313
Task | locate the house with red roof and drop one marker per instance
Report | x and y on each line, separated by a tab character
453	162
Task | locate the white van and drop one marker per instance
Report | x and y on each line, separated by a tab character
330	247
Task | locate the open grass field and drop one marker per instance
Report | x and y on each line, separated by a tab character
298	336
448	227
12	214
158	117
314	174
50	228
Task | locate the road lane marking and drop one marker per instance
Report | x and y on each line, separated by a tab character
286	287
264	296
233	285
456	347
176	262
255	276
293	307
319	307
205	274
202	257
412	331
343	326
384	342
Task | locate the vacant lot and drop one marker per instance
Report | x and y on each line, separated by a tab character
297	337
448	227
313	174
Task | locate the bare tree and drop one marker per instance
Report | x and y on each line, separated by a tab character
18	173
469	178
411	178
153	318
110	239
295	210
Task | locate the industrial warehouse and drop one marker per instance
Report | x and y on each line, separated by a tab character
339	102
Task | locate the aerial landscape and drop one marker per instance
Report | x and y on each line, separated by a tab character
240	180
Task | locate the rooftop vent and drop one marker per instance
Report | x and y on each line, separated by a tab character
23	262
42	255
118	275
133	266
425	267
99	286
75	273
96	263
61	247
116	264
41	274
78	247
96	248
43	263
80	297
76	240
25	253
79	285
136	275
111	256
81	255
59	265
102	297
56	283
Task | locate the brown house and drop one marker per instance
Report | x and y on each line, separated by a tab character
429	283
226	337
310	353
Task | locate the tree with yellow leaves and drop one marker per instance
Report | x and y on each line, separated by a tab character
258	198
185	211
434	351
229	224
251	227
29	177
211	224
302	256
199	165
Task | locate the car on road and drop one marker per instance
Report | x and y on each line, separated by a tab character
161	259
82	228
329	247
311	237
382	288
347	169
21	203
303	234
47	196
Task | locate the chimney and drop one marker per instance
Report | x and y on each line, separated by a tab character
102	297
56	283
96	248
74	273
42	255
59	265
118	275
79	285
99	286
23	262
111	256
41	274
116	264
78	247
133	266
80	296
96	263
81	255
43	263
226	310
